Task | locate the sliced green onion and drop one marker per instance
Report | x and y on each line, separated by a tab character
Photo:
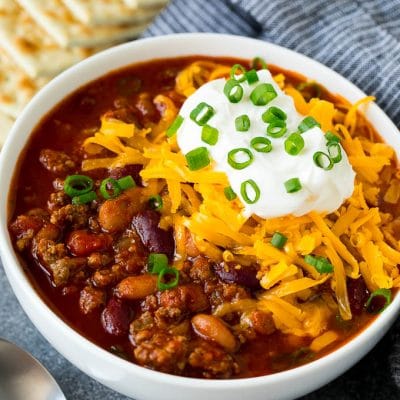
173	128
311	260
261	144
251	76
322	160
233	91
250	191
294	144
209	135
278	240
75	185
334	151
276	128
229	193
162	285
331	137
241	69
126	182
109	188
308	123
293	185
155	202
305	85
263	94
258	61
321	264
242	123
156	262
385	293
202	113
84	198
197	158
240	158
272	114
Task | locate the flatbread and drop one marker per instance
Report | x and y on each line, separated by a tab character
30	47
106	12
16	88
67	31
6	124
145	3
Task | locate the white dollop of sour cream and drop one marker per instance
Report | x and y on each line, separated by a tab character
322	191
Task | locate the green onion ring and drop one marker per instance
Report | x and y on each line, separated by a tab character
238	67
110	184
276	129
261	144
322	160
245	186
240	164
233	91
76	185
167	271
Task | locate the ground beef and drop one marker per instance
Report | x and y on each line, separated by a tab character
48	251
262	322
110	276
65	268
210	361
219	292
58	200
162	351
74	215
56	162
98	260
201	270
91	299
187	298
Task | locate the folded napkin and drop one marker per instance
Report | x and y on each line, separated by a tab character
361	41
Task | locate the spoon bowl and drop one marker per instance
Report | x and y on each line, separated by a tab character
23	377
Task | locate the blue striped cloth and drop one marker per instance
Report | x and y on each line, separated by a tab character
358	39
361	41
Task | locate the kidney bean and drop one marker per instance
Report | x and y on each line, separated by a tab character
155	239
116	317
131	169
358	294
82	243
245	276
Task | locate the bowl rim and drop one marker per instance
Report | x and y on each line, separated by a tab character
13	268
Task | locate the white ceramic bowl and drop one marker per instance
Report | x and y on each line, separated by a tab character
126	377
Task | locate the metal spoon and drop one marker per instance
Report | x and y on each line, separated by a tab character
22	377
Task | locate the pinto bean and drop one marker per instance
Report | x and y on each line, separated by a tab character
212	328
116	317
233	273
116	214
156	240
82	243
136	287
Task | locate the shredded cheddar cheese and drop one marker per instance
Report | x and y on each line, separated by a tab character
357	239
